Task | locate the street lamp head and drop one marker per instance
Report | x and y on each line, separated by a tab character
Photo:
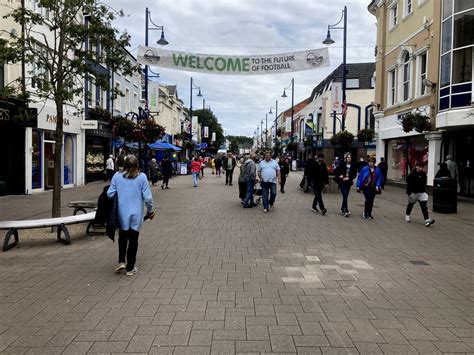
162	40
284	93
199	93
270	112
328	39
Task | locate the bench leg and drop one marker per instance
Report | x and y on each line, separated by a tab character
63	229
79	209
11	232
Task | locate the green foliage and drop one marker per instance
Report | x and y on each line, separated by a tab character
291	146
207	118
243	141
343	139
147	131
234	147
308	142
366	135
415	121
98	113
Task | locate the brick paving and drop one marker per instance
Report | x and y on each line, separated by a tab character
217	279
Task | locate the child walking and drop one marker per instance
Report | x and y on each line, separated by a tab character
416	191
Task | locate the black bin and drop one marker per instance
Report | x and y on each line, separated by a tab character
445	195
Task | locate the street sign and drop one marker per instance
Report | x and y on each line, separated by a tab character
89	124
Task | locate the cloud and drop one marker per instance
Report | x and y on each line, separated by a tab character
246	27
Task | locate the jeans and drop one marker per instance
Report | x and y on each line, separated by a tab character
318	197
195	178
228	176
345	189
128	246
268	188
369	193
249	196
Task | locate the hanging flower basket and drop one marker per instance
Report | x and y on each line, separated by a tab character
366	135
343	139
189	145
100	114
291	146
308	142
415	121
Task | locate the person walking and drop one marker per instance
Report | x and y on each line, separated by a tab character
132	191
345	174
308	171
213	165
370	183
110	167
166	171
203	164
229	164
218	165
154	169
320	180
384	170
416	191
284	172
241	180
250	177
269	174
443	171
121	160
361	164
195	170
452	167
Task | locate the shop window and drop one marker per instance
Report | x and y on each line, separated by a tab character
68	160
36	152
464	29
406	76
422	73
392	84
402	154
462	5
445	70
462	65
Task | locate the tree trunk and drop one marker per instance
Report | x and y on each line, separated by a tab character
58	148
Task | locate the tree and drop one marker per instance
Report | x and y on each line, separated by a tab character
63	60
207	119
234	147
244	142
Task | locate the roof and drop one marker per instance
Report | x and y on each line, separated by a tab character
296	107
362	71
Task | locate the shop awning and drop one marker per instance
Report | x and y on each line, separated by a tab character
164	146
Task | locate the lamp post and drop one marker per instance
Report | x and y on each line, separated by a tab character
257	137
266	131
191	88
329	41
276	119
292	86
261	133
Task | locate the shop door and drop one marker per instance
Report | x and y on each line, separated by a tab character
48	164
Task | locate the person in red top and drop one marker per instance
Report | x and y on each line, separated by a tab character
195	170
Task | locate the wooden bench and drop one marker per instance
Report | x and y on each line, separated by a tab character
61	222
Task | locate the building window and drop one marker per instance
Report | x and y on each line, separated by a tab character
447	9
392	85
91	93
462	65
445	70
422	73
464	29
118	100
39	72
406	76
408	7
393	13
2	76
462	5
135	101
127	100
352	83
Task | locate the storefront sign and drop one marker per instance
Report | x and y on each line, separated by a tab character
336	97
89	124
234	64
54	119
14	112
103	130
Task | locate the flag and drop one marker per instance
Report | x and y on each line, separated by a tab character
344	109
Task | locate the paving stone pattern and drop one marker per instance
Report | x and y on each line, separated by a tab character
218	279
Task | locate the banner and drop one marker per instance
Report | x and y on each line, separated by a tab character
206	132
288	124
234	64
336	97
213	139
194	127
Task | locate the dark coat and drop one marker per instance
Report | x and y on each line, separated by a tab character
342	170
107	213
166	167
309	167
319	174
284	168
224	163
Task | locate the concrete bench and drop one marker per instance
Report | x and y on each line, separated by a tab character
61	222
82	206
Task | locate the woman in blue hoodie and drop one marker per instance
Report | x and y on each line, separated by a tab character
369	182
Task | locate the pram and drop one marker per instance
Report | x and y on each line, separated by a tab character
257	191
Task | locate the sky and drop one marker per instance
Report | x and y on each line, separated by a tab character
248	27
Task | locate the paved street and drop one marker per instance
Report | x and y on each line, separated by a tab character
216	278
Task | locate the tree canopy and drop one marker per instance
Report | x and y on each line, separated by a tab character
243	142
207	119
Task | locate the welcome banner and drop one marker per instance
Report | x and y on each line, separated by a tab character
234	64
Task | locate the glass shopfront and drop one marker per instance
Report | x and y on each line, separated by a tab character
68	160
403	153
36	174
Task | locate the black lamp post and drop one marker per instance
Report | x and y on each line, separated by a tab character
329	41
276	118
191	88
292	86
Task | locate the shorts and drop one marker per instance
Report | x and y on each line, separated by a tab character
414	197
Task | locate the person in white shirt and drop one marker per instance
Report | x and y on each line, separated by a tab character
110	167
269	175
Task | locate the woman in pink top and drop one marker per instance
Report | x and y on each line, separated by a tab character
195	170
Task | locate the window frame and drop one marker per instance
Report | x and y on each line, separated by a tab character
421	90
118	99
406	4
393	20
392	87
91	92
406	83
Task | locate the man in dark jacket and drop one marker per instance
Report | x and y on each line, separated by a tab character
320	180
308	171
384	170
416	191
167	171
229	163
284	171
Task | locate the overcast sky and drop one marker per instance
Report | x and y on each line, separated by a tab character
247	27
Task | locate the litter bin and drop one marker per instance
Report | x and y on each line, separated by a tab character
445	195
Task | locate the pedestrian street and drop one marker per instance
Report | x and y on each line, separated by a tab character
214	278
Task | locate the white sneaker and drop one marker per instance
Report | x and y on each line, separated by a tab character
132	272
120	267
429	222
407	219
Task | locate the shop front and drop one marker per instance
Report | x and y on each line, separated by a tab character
98	147
15	117
40	145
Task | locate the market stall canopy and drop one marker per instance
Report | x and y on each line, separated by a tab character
163	146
